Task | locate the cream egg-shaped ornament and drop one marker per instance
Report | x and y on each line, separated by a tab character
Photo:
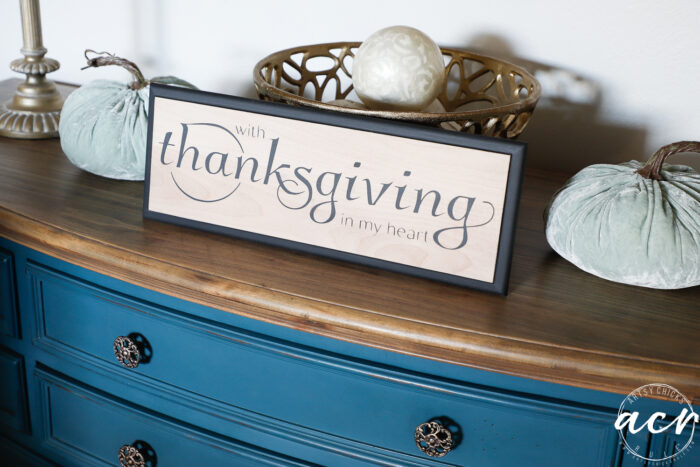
398	68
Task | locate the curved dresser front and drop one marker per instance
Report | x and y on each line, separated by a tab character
132	342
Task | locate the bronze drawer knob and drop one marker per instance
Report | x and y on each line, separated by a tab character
127	352
433	439
129	456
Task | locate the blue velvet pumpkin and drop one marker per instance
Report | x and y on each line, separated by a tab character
632	223
104	124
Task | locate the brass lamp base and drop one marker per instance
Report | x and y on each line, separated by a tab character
28	125
34	110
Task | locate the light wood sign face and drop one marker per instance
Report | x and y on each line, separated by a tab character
412	199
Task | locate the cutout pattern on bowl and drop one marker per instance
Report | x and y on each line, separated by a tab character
482	95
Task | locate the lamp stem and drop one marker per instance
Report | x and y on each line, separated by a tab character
31	28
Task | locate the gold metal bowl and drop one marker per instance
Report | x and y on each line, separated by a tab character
482	95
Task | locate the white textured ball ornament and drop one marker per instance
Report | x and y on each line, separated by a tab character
398	68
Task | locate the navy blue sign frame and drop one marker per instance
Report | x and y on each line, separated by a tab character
515	149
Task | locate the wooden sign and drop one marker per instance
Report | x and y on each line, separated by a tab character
417	200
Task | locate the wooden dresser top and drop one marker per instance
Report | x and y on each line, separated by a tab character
557	324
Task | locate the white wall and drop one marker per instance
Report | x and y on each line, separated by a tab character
620	78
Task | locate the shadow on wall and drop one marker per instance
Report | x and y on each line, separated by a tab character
567	131
243	87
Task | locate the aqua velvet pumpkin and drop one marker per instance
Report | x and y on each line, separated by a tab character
104	124
633	223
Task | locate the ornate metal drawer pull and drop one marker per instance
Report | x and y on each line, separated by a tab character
127	352
433	439
129	456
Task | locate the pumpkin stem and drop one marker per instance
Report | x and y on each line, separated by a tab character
106	58
652	169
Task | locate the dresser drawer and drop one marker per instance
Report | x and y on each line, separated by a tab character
228	369
8	298
13	396
89	427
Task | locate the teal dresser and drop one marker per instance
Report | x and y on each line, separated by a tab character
136	342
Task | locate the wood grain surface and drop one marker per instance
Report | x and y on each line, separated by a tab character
558	323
